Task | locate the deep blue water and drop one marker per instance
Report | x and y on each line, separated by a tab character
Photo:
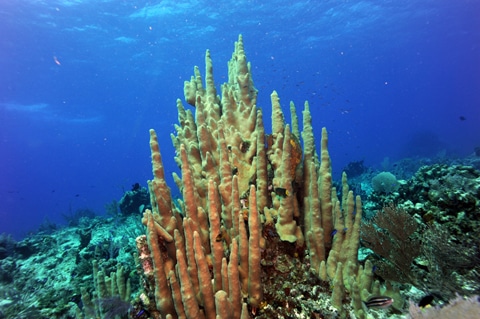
82	81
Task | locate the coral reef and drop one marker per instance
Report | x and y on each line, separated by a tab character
45	274
260	225
261	231
456	308
134	201
441	249
447	194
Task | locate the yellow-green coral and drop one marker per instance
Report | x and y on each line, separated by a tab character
277	209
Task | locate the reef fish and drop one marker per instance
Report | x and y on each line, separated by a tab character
381	302
426	301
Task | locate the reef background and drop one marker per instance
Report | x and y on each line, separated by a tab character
295	260
83	81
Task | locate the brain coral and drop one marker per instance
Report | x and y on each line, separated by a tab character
384	182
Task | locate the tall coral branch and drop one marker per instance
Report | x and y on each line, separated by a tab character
250	204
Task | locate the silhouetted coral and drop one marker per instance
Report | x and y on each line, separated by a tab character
391	236
73	218
7	244
355	168
134	201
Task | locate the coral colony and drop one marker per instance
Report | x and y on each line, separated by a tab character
255	228
260	230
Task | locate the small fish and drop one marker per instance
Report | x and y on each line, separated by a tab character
282	192
378	302
142	313
57	62
425	301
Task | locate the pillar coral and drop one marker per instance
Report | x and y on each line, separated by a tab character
252	205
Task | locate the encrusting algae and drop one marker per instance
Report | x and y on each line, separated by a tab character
259	231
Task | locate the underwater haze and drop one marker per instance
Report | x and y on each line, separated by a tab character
82	82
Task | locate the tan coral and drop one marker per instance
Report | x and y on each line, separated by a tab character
243	204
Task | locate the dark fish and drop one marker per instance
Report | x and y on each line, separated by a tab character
425	301
333	232
281	192
142	313
462	118
378	302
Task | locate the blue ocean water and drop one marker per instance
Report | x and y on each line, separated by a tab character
82	81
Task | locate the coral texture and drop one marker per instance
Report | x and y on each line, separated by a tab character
256	211
456	308
384	182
